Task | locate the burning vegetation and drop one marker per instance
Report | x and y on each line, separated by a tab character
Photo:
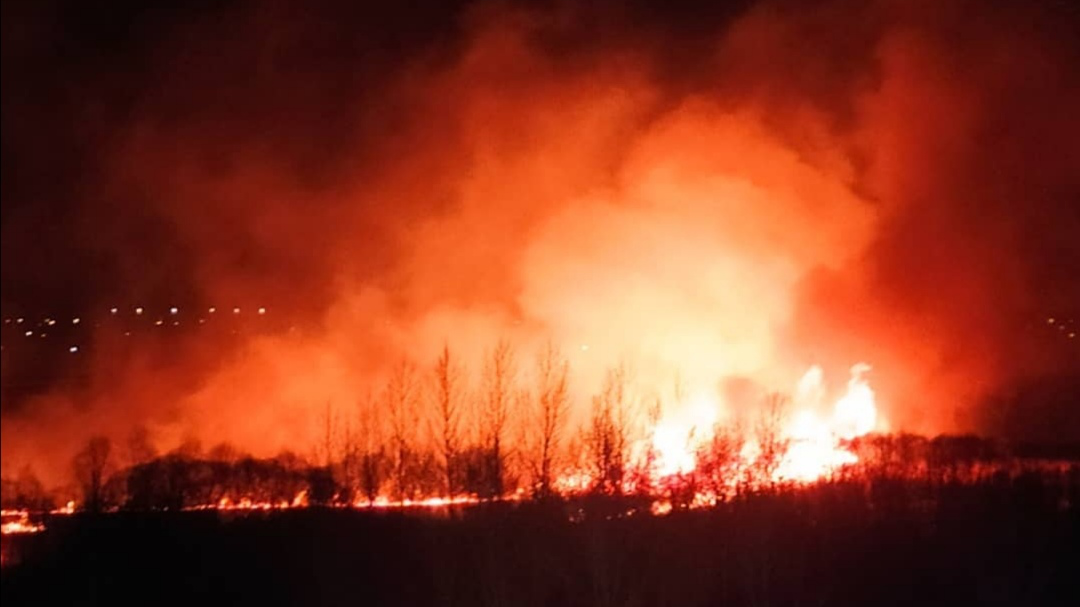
438	438
739	284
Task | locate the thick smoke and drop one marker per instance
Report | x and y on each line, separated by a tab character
740	195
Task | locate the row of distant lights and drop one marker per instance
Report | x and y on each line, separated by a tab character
1061	325
139	311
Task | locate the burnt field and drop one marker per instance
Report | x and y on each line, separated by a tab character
1005	540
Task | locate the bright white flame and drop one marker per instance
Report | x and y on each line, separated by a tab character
856	413
813	439
677	436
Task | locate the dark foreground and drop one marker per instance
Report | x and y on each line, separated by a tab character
1014	543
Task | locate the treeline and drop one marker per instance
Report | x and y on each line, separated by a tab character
434	431
507	432
903	464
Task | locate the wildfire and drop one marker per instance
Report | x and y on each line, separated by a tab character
693	455
675	437
18	522
430	502
806	441
810	445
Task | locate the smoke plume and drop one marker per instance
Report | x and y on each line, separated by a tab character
704	195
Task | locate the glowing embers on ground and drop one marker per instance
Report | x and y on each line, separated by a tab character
18	522
246	504
429	502
15	522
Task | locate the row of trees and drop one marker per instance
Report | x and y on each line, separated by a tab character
188	477
426	432
432	432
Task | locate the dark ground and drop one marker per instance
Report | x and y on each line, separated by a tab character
1012	542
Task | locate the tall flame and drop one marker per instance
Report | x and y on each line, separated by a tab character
813	443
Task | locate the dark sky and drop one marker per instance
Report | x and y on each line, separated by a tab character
78	79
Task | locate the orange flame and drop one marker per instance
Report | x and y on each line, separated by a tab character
18	522
813	443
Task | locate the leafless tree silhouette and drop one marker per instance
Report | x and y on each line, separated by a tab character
499	381
402	407
608	433
768	431
447	380
370	449
547	416
91	467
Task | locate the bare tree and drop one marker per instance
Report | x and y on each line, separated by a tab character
91	468
643	471
608	434
772	445
550	409
327	446
347	473
401	397
718	460
370	448
498	393
446	394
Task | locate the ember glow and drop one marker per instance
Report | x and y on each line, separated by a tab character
17	522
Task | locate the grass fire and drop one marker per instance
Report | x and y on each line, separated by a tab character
753	302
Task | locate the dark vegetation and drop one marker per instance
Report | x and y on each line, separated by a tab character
189	478
966	525
1005	541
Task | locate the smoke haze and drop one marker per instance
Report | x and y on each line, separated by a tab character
712	194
